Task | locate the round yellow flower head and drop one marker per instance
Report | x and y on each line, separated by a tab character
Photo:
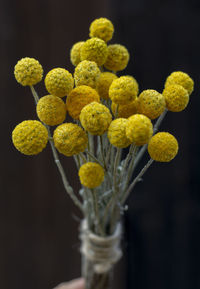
91	175
86	73
117	133
151	103
30	137
181	78
51	110
59	82
139	129
123	90
118	57
78	98
75	53
102	28
70	139
28	71
94	49
103	83
176	97
163	147
95	118
125	110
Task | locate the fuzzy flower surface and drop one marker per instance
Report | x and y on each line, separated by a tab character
117	133
75	56
118	57
180	78
70	139
95	118
163	147
102	28
28	71
86	73
103	84
30	137
176	97
94	49
151	103
51	110
78	98
91	175
123	90
59	82
139	129
125	110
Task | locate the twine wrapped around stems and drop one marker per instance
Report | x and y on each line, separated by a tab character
103	252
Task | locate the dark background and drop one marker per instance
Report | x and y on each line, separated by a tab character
39	245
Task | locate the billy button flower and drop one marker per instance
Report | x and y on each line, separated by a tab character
139	129
86	73
163	147
28	71
123	90
176	97
91	175
94	49
118	57
180	78
102	28
59	82
78	98
75	53
51	110
125	110
95	118
103	84
151	103
30	137
70	139
117	133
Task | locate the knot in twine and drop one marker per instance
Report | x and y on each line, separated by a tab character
104	252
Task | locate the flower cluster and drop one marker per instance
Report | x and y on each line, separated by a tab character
108	113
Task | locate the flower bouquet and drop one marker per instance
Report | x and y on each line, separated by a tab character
108	114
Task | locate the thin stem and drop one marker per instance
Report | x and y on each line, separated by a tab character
130	168
102	152
130	188
83	157
67	186
97	217
94	158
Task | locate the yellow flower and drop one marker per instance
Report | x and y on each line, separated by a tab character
75	53
70	139
151	103
176	97
181	78
139	129
123	90
125	110
102	28
30	137
86	73
28	71
94	49
91	175
118	57
103	83
117	133
51	110
95	118
59	82
78	98
163	147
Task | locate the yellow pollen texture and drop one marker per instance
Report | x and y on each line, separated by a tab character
91	175
102	28
86	73
117	133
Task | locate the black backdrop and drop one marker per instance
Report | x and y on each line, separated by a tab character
38	223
